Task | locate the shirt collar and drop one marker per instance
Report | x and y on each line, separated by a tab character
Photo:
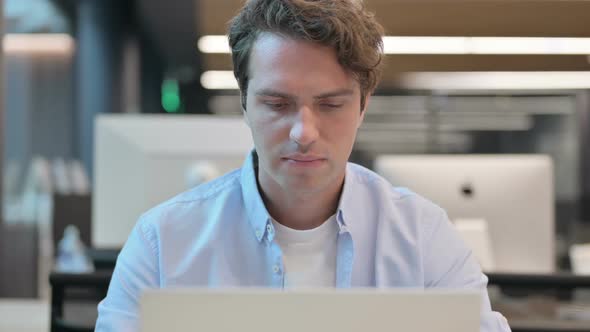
348	206
258	216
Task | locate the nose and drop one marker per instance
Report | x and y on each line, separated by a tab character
304	130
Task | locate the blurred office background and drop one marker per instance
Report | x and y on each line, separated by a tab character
462	78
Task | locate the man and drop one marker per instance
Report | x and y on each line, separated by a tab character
296	214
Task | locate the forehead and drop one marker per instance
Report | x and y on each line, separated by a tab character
280	61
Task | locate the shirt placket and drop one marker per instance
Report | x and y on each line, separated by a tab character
275	259
344	259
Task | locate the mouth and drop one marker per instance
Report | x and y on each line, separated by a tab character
304	161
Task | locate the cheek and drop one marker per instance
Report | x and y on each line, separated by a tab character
268	135
343	128
273	125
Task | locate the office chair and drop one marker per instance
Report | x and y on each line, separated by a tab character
89	288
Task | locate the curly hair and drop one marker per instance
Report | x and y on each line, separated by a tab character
344	25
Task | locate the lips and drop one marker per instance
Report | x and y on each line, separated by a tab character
304	161
304	158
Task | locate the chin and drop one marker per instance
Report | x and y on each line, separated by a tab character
306	185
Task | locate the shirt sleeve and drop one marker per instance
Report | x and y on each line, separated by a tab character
136	270
449	263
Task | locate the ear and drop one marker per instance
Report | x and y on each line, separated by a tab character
246	120
243	101
243	107
363	111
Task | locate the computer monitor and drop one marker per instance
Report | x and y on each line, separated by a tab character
176	310
513	193
143	160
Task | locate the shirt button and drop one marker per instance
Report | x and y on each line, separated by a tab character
268	229
258	233
276	269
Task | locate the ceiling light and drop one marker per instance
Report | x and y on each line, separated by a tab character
451	45
219	80
496	80
38	43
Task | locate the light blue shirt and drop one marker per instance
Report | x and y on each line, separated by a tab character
220	234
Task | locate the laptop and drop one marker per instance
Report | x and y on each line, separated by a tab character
262	310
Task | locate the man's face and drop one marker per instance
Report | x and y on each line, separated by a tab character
304	111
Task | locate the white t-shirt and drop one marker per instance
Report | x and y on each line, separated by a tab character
309	256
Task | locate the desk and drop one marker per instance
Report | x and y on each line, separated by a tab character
540	313
561	281
19	315
547	325
93	287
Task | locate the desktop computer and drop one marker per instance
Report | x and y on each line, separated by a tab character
514	194
143	160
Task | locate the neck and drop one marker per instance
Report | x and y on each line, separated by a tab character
301	210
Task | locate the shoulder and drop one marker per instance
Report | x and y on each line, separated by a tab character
401	202
361	176
189	204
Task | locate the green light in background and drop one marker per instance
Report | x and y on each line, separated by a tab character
171	102
170	96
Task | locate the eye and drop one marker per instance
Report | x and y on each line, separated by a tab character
331	106
276	106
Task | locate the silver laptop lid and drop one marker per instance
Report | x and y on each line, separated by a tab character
173	310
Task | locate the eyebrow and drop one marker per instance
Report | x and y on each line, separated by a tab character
274	93
279	94
337	93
